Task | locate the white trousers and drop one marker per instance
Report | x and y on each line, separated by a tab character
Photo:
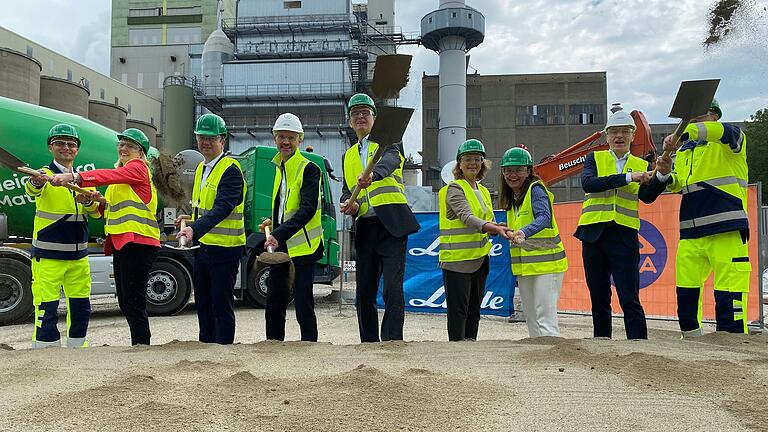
540	294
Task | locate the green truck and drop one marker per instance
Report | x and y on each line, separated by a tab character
23	132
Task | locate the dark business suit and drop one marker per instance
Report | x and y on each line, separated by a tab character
215	269
304	266
613	250
380	244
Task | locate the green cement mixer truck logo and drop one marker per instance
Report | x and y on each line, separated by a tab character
12	189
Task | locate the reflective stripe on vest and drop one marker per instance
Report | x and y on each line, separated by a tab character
459	242
543	252
230	232
389	190
60	225
308	239
127	213
620	204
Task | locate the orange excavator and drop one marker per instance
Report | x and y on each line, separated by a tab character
557	167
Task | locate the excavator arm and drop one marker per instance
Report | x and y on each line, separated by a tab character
557	167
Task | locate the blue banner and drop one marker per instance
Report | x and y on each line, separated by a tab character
423	282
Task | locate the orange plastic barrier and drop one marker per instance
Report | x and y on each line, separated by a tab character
659	234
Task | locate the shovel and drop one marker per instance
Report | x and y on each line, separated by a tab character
183	240
390	75
12	162
692	100
388	129
270	257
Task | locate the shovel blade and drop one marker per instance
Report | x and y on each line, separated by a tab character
693	98
390	125
390	74
10	161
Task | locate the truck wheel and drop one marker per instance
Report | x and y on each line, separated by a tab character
15	291
168	288
258	284
258	277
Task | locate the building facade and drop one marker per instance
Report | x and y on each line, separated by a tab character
155	39
545	112
139	105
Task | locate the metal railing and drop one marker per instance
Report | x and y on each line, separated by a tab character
277	91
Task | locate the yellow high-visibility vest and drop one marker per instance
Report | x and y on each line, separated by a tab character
308	239
620	204
389	190
229	232
459	242
126	212
543	252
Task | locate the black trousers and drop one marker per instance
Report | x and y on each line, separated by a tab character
131	265
304	300
616	254
214	297
463	296
379	253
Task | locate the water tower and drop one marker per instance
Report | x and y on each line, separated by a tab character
452	30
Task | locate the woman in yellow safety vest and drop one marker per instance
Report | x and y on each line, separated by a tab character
133	235
538	256
466	220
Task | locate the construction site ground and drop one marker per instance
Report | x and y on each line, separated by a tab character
502	382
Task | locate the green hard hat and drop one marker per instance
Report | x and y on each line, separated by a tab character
210	125
63	130
136	136
516	156
715	106
361	99
153	153
470	146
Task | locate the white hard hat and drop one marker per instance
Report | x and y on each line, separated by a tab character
288	122
620	118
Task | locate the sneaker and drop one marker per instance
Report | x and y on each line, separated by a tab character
516	317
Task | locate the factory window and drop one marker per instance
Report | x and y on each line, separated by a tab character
473	117
453	14
191	10
69	74
160	79
129	109
291	4
140	80
145	36
102	94
29	50
145	12
85	82
124	78
586	114
431	118
469	16
183	35
540	115
50	67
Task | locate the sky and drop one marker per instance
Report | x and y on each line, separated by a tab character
647	47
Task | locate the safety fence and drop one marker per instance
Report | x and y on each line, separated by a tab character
659	235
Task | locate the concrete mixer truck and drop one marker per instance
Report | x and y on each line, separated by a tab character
23	133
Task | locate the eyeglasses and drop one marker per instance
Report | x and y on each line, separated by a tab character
289	138
472	159
128	145
360	113
62	144
514	170
620	131
207	138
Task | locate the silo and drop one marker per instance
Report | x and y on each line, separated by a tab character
149	129
217	50
63	95
178	117
107	114
19	76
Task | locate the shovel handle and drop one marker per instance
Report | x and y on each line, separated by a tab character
35	173
677	134
183	239
270	249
